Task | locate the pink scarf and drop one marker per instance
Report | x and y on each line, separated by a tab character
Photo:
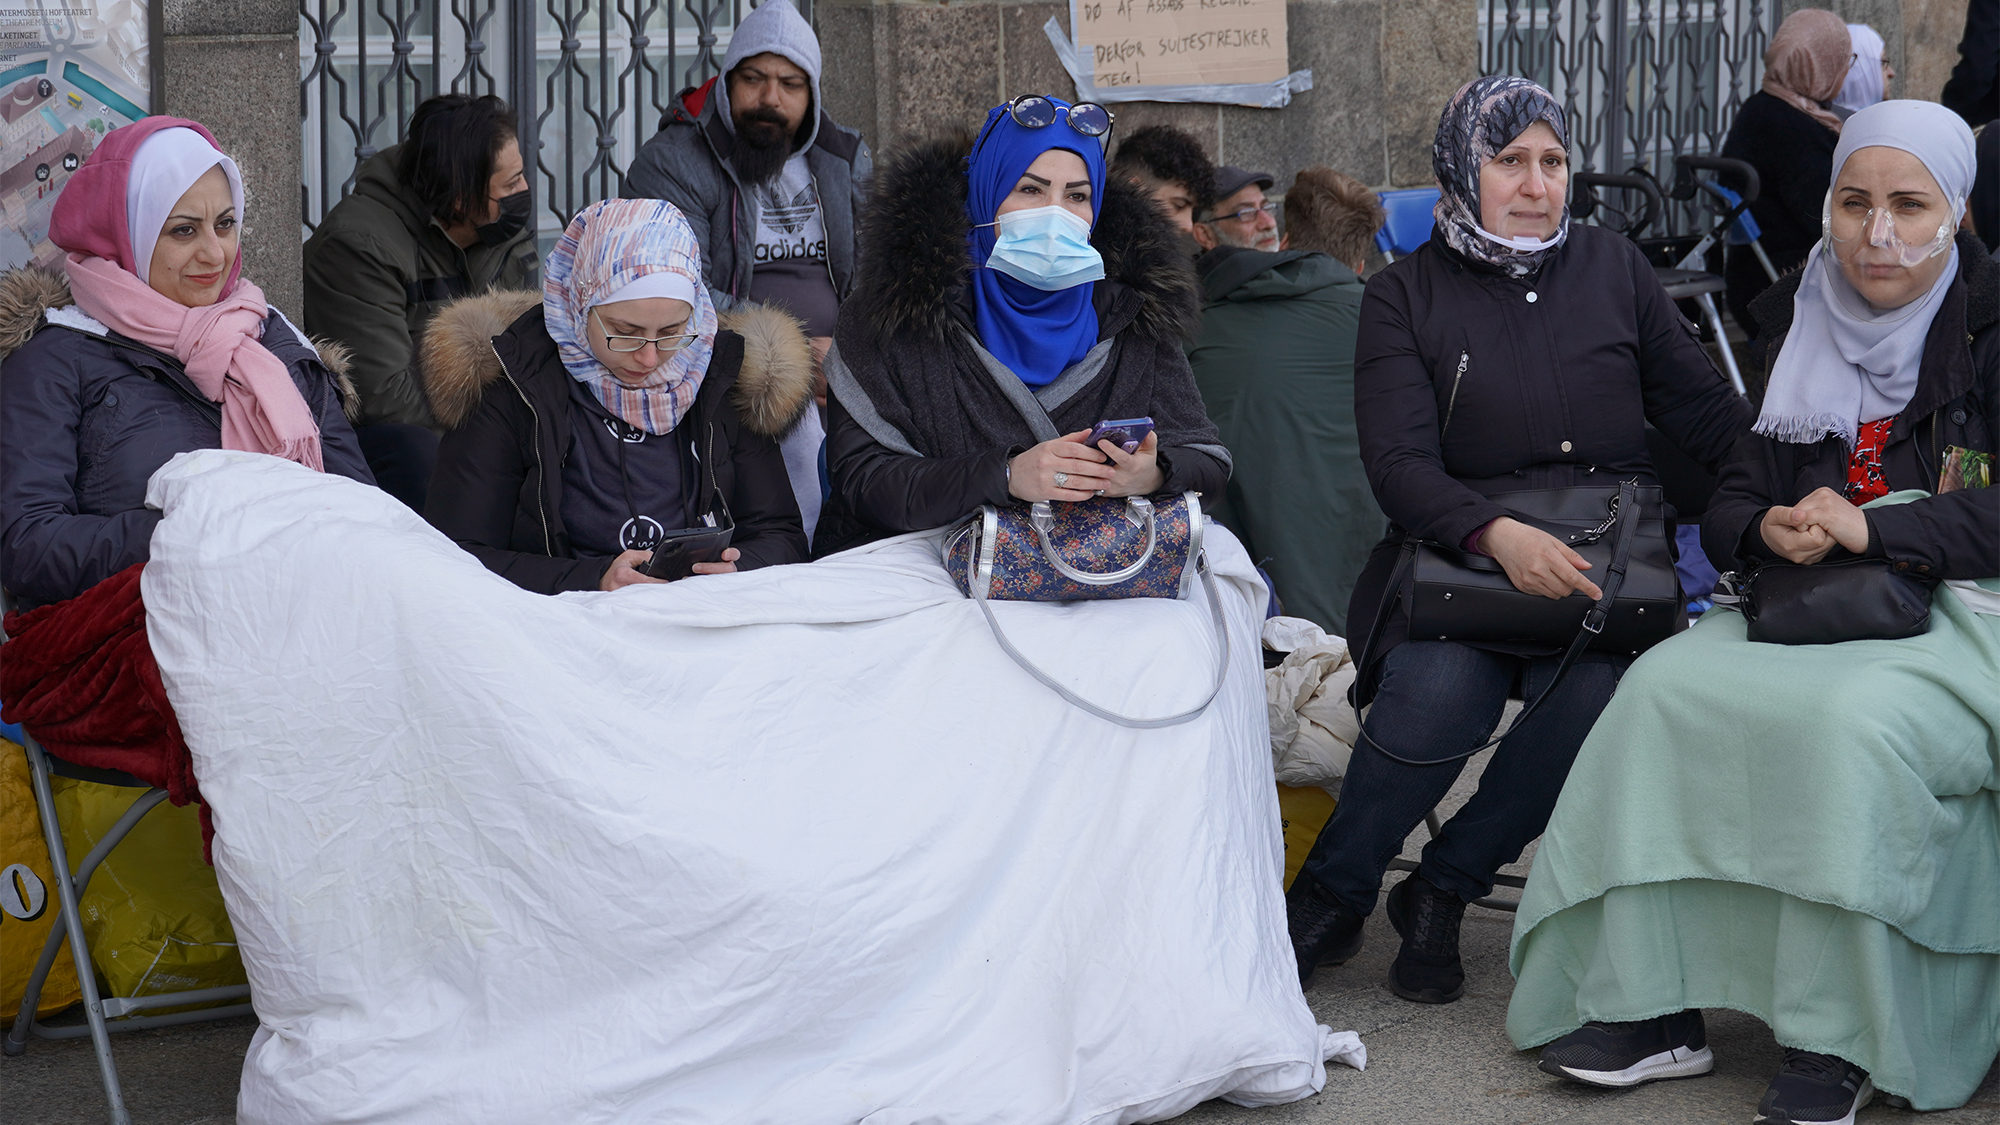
262	409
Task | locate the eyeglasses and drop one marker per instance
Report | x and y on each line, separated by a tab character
1244	214
666	344
1033	111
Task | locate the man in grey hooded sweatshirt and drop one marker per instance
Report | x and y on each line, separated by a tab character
771	186
769	182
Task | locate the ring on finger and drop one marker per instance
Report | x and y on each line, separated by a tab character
1062	479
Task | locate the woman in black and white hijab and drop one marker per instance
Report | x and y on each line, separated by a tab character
1513	351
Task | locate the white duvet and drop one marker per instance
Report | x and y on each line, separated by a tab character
800	845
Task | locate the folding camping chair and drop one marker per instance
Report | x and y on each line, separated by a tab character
1408	224
103	1014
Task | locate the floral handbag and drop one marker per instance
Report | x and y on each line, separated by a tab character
1097	549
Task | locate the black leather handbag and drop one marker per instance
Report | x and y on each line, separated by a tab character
1826	603
1456	596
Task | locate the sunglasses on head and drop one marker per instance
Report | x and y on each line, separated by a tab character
1033	111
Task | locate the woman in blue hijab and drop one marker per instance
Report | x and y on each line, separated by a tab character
1009	298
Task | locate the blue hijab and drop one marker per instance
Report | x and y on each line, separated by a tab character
1034	332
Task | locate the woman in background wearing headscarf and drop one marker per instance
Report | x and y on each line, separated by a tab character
1787	131
1513	351
1809	833
152	344
1010	298
1868	76
589	420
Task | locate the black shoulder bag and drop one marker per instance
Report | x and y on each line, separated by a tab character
1452	595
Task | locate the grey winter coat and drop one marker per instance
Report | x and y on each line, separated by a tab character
87	416
688	165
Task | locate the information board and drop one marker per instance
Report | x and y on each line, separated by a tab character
70	72
1180	42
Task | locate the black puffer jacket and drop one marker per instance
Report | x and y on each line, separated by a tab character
909	324
87	416
1957	402
495	378
1468	384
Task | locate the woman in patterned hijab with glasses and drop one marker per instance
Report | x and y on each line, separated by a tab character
591	420
1514	351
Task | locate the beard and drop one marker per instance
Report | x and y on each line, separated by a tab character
763	144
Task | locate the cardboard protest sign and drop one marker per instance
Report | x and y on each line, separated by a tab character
1180	42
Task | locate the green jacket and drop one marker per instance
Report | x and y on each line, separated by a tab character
378	267
1275	364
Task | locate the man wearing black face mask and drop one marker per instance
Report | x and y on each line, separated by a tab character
441	216
770	184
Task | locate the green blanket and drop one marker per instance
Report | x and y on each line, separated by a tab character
1809	834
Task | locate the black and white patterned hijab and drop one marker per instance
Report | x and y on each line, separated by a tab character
1481	119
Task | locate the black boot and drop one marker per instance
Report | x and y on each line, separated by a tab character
1427	968
1324	929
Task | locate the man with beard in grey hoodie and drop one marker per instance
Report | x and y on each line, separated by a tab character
771	185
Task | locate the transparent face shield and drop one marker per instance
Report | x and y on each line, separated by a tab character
1899	234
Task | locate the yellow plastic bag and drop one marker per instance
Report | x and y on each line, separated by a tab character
153	912
27	896
1304	812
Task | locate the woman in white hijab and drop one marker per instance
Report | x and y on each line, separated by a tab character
1869	75
1810	834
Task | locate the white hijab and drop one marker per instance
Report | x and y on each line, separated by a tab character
165	166
1844	363
1863	87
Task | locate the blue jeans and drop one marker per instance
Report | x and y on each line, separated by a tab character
1438	699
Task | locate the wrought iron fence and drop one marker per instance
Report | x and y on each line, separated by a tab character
590	80
1642	81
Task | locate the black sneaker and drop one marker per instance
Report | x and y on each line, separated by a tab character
1324	930
1617	1055
1814	1089
1427	968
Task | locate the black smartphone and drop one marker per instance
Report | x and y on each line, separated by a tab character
677	552
1125	433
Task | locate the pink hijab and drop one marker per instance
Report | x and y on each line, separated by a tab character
1807	62
127	181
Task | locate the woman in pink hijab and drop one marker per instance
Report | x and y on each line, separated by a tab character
145	342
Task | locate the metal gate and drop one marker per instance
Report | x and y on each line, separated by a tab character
590	80
1642	81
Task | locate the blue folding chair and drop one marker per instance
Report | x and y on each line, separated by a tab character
1409	221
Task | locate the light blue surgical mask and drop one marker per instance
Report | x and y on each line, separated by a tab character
1046	247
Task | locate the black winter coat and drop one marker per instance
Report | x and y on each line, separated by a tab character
494	376
1469	384
1957	402
910	324
1793	155
86	418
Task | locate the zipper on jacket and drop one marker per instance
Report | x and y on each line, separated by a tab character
715	488
819	204
542	485
1451	404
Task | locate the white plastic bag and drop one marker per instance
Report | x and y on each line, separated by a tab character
1312	725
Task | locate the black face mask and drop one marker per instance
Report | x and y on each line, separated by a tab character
513	219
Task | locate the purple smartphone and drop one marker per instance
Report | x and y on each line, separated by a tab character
1125	433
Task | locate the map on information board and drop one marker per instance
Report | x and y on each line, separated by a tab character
1181	42
70	72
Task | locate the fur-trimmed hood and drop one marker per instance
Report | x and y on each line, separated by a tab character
773	387
27	293
915	262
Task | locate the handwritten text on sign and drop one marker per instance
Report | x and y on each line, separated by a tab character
1182	42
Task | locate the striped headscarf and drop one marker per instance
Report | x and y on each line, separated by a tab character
609	245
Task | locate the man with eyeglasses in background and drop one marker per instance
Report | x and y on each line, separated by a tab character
1241	216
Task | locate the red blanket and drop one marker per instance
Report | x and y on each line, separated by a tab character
80	676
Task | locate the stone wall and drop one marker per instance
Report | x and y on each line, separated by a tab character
233	65
1381	70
